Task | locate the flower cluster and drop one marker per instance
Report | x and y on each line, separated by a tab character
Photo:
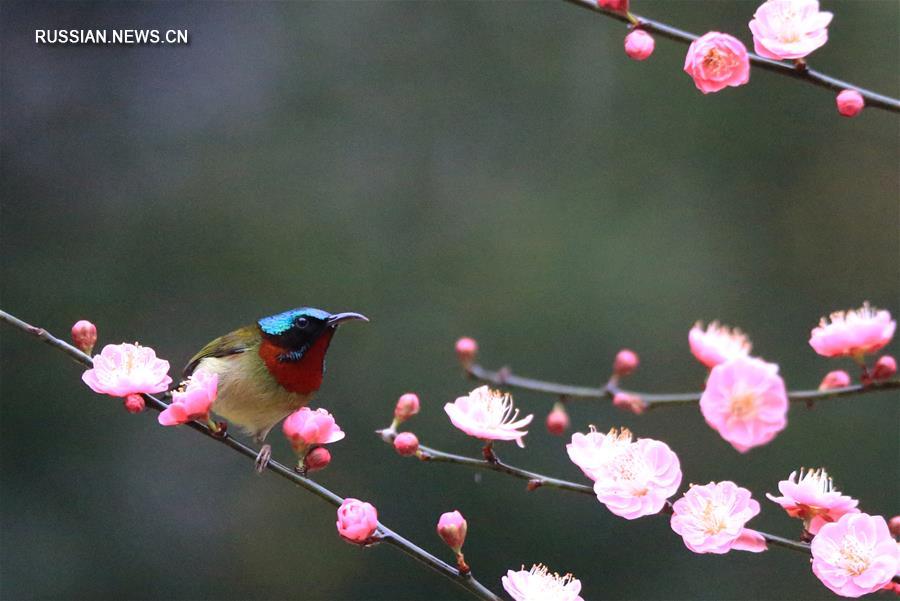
632	478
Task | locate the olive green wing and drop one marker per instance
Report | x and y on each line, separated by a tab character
238	341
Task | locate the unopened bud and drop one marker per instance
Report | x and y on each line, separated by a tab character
835	379
557	420
629	402
626	362
407	406
134	403
406	444
885	368
894	525
452	528
850	103
466	350
639	45
84	335
317	459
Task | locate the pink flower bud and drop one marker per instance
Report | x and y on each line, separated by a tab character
305	428
356	521
407	406
885	368
452	528
639	45
626	362
617	5
894	525
134	403
557	420
317	459
84	335
850	103
629	402
406	444
835	379
466	350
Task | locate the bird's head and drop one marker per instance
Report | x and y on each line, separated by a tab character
298	330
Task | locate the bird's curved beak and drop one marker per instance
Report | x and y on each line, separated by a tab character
339	317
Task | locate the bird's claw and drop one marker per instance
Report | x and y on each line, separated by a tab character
263	457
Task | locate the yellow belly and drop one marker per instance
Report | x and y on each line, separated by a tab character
248	396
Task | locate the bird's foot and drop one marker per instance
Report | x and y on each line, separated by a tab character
262	459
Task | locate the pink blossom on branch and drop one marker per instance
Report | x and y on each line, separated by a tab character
855	555
306	427
357	521
539	584
84	335
625	363
632	478
717	343
489	415
407	406
711	519
123	369
193	401
406	444
716	61
746	402
789	29
884	368
853	333
813	499
451	527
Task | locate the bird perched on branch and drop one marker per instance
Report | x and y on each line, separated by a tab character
269	369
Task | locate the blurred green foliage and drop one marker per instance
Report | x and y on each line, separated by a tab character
499	170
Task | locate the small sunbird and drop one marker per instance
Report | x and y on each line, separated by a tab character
269	369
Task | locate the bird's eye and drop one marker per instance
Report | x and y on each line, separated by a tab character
302	322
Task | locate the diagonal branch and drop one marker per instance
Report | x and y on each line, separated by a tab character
506	379
536	480
816	78
384	534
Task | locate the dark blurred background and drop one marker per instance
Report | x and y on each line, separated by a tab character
499	170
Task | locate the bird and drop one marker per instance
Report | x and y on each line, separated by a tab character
269	369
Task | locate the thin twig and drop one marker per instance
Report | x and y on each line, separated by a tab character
536	480
506	379
385	534
816	78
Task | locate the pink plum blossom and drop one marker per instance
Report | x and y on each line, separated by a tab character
134	403
850	103
853	333
306	427
489	415
716	61
123	369
639	45
855	555
539	584
813	499
717	343
835	379
357	521
789	28
317	459
711	519
193	401
746	402
632	478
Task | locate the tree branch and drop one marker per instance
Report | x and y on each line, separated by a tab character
816	78
506	379
536	480
385	534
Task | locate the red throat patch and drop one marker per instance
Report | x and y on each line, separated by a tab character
303	376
